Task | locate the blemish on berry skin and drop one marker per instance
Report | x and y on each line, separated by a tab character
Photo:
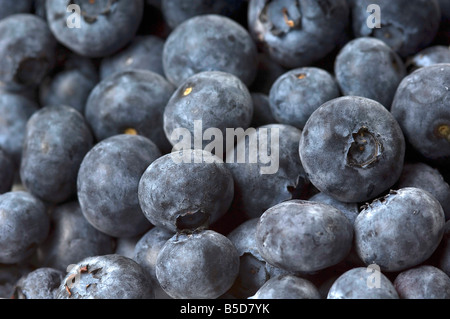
131	131
187	91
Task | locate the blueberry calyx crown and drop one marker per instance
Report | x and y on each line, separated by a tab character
364	149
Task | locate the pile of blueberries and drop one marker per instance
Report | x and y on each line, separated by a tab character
95	202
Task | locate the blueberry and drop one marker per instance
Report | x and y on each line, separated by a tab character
201	190
209	43
399	230
41	283
7	170
106	277
424	176
361	283
303	237
404	27
217	99
143	53
297	33
12	7
423	282
287	287
177	11
26	50
352	149
70	84
350	210
56	140
299	92
432	55
260	184
24	225
262	115
104	26
130	102
148	247
15	111
108	182
421	107
71	238
368	67
202	265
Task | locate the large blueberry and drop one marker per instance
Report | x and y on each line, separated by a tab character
56	140
94	28
106	277
368	67
213	99
202	265
399	230
24	225
209	43
71	239
362	283
421	108
41	283
297	33
130	102
266	168
299	92
352	148
423	282
303	237
26	50
108	184
405	26
185	190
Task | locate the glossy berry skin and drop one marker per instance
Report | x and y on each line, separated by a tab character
353	154
7	170
355	284
200	194
105	26
299	92
287	287
143	53
209	43
259	185
404	27
41	283
15	111
201	265
423	176
400	230
421	108
423	282
24	225
71	238
217	99
56	140
108	184
131	100
303	237
297	33
26	51
106	277
70	84
368	67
